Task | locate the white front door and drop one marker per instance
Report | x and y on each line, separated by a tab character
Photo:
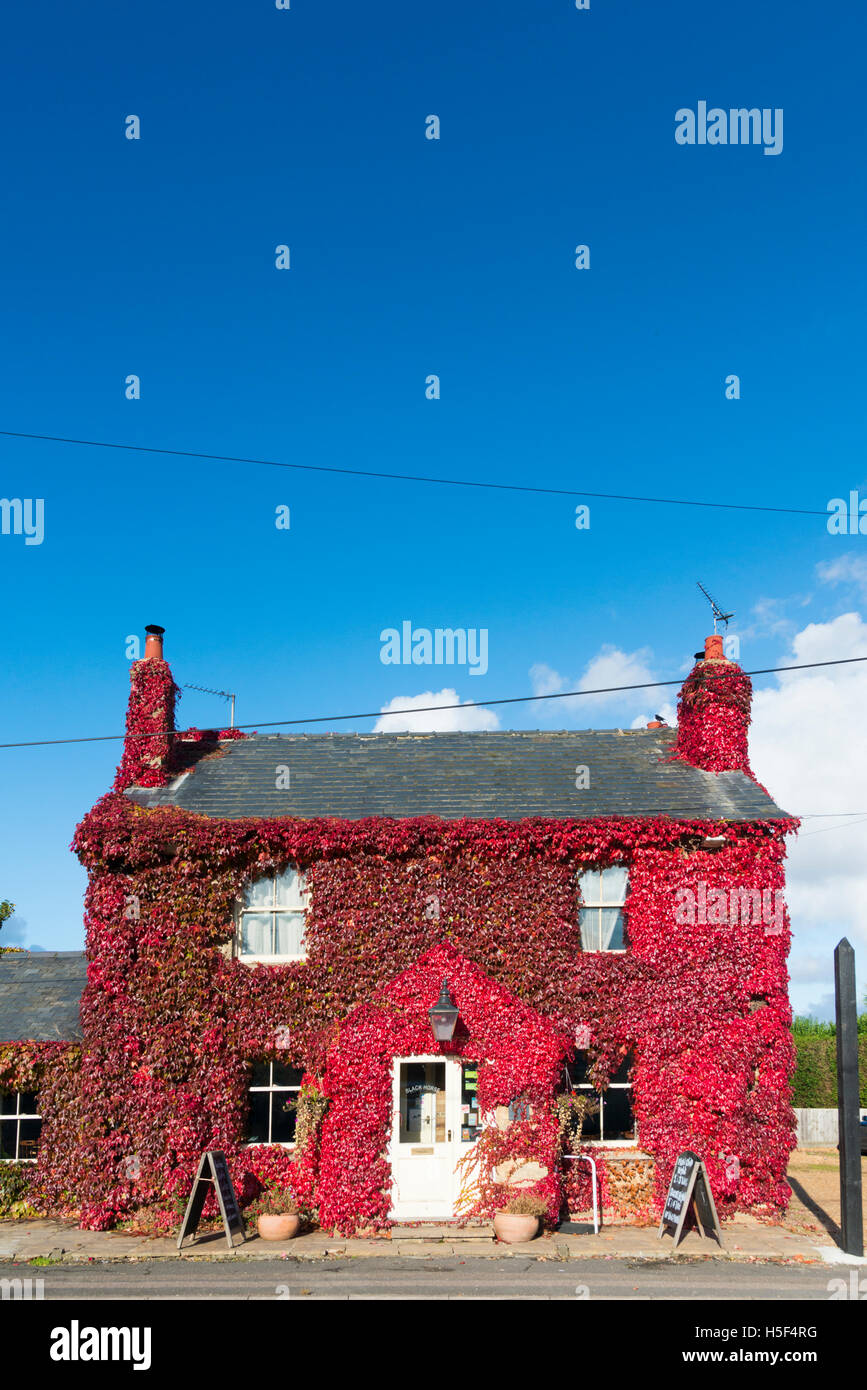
435	1121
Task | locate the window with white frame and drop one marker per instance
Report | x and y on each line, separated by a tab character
615	1122
271	916
20	1124
600	914
273	1088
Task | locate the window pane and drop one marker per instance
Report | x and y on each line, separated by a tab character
29	1104
28	1138
578	1069
259	893
589	883
259	1106
592	1129
261	1074
588	921
256	934
282	1120
9	1103
289	888
289	933
622	1072
7	1138
617	1113
610	929
614	881
287	1076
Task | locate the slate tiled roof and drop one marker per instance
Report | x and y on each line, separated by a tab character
510	776
39	995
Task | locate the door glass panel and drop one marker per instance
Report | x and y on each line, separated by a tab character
471	1120
440	1133
422	1099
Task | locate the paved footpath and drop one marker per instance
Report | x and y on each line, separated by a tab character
744	1240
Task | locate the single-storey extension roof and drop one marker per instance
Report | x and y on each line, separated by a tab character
40	992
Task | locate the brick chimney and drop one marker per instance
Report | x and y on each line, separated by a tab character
713	712
150	718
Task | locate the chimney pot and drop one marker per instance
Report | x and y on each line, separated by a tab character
713	648
154	642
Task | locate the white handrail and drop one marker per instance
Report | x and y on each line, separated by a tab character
592	1162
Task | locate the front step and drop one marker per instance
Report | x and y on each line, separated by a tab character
431	1234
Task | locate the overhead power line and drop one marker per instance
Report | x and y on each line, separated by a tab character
429	709
417	477
826	828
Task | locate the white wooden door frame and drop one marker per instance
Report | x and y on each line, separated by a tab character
436	1168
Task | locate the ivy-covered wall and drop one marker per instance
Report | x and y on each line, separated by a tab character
171	1022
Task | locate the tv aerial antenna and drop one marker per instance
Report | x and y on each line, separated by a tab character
718	615
227	695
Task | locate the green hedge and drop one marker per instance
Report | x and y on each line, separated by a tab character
815	1081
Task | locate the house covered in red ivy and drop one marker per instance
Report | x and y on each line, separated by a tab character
270	920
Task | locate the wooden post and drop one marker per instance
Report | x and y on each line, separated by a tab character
848	1110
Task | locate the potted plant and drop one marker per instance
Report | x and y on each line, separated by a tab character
519	1219
276	1214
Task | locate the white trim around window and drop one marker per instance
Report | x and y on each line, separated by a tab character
270	919
272	1085
611	1100
600	910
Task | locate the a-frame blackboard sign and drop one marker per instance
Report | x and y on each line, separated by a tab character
689	1189
213	1174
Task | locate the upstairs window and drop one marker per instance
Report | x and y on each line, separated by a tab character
600	915
271	917
19	1126
273	1088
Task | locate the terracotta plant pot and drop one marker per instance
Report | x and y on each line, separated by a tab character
278	1227
511	1227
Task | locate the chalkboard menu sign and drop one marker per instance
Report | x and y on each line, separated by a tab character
689	1190
213	1175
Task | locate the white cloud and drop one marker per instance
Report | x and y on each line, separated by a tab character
610	667
808	746
770	618
410	714
849	569
545	681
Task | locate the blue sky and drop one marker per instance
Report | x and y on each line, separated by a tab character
409	257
